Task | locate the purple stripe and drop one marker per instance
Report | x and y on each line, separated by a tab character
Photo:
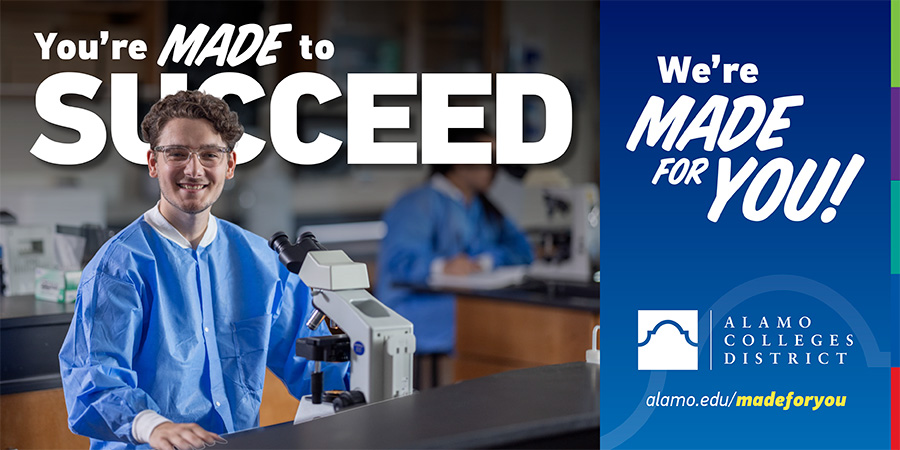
895	133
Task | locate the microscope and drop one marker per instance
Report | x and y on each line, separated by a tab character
568	232
379	343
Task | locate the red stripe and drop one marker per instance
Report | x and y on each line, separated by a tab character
895	407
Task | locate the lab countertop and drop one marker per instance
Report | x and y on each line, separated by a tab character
33	330
560	294
543	407
31	333
25	309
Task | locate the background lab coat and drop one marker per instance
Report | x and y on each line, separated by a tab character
426	224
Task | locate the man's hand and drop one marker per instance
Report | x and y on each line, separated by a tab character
461	265
182	436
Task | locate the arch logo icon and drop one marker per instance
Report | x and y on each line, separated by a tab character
667	340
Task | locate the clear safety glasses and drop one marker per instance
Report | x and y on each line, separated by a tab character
208	155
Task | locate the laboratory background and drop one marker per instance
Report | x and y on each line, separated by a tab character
54	217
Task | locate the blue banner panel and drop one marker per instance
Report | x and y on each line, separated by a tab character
745	227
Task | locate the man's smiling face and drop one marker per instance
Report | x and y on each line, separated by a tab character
189	187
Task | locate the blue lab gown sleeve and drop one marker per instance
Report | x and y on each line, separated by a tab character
410	246
96	359
426	224
510	246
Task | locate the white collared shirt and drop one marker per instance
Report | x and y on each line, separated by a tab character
443	185
168	231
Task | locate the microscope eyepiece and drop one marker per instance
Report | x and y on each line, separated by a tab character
293	255
279	241
308	242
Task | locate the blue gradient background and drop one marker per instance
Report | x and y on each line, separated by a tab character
658	250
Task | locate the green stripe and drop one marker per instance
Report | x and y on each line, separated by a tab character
895	44
895	227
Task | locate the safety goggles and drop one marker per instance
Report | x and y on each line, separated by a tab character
208	155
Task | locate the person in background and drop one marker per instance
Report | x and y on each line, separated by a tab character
447	225
179	314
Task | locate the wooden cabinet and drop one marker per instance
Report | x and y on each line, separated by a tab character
499	335
278	405
32	405
37	419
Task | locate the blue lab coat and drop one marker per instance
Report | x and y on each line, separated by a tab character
428	223
186	333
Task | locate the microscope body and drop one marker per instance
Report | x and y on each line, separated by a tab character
567	222
382	341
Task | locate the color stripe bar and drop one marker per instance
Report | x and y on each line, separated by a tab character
895	323
895	215
895	407
895	228
895	133
895	43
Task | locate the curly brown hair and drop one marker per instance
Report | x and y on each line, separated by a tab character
192	105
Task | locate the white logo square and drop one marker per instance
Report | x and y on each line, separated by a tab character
667	340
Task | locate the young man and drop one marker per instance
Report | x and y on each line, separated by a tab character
178	315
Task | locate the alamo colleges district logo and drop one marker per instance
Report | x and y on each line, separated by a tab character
667	340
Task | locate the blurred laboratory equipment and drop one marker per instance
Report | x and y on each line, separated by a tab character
564	224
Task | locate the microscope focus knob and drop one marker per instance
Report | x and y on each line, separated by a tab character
348	399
